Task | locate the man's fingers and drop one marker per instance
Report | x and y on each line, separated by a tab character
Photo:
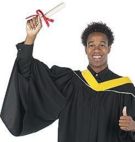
124	128
39	19
33	26
28	25
34	22
125	118
124	124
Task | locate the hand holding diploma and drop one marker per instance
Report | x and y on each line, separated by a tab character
126	122
34	23
33	26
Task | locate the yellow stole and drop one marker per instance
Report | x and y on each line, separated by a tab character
104	85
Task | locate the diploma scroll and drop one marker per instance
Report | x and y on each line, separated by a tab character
56	9
48	13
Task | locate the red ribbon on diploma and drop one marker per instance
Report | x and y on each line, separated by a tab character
46	19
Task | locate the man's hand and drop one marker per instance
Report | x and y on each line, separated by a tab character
126	122
33	26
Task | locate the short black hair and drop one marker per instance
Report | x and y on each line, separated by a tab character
97	27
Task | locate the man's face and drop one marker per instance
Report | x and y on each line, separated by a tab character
97	49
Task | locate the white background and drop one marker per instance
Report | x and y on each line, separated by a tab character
60	44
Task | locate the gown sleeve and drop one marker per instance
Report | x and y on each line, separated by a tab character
131	112
129	102
35	95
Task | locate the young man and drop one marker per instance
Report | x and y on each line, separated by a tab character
89	104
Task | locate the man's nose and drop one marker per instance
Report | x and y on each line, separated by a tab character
97	47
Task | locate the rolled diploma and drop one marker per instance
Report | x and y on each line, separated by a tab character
55	9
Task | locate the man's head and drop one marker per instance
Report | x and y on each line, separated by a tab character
97	39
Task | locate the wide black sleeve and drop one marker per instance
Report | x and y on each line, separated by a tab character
131	109
129	102
36	94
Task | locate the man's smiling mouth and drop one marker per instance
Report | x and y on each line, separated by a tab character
96	56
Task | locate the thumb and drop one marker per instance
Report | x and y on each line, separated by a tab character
124	111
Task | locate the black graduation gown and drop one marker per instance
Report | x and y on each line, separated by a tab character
37	95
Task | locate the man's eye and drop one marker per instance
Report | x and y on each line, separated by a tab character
102	45
90	45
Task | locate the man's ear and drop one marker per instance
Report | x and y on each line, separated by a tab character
86	49
109	49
